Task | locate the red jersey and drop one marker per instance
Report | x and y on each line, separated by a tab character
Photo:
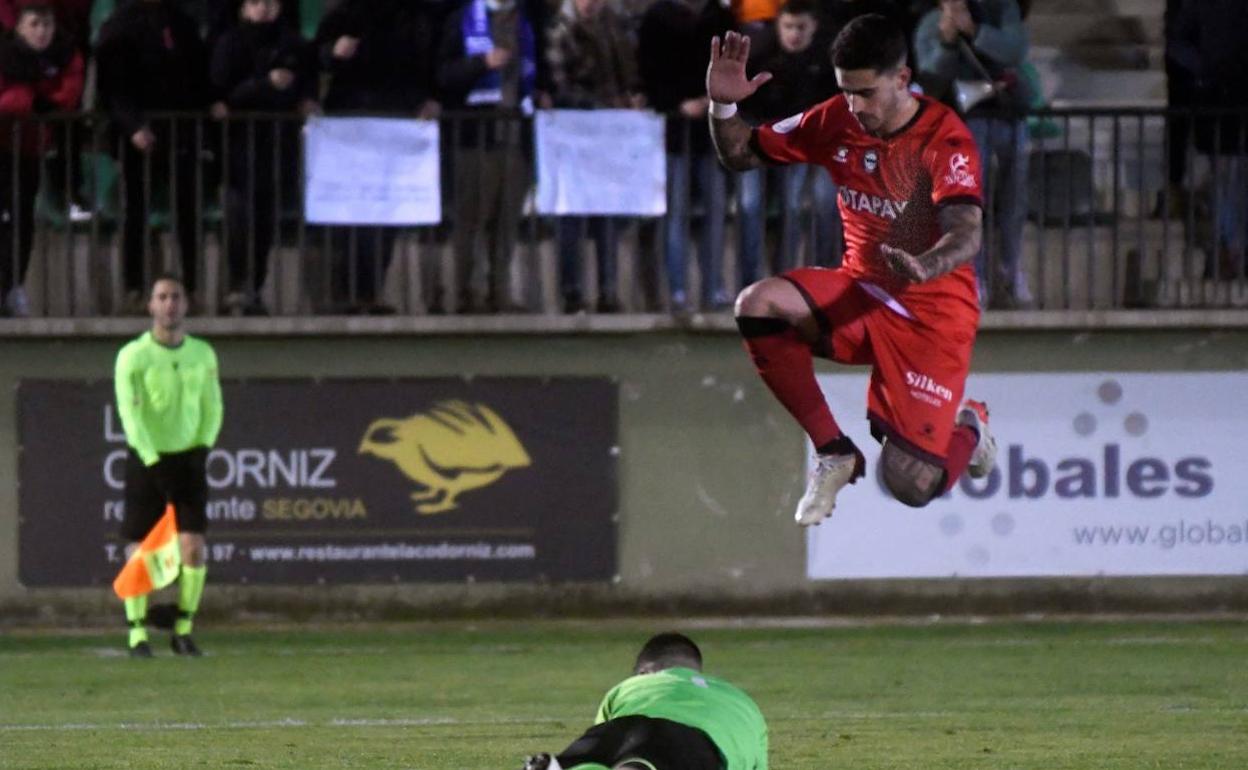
891	189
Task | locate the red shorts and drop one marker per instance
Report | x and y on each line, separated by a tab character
918	366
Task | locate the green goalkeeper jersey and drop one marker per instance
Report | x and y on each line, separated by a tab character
169	399
717	708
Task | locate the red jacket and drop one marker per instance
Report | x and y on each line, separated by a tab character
57	87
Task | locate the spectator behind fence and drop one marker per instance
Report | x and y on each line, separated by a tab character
73	19
1172	201
802	76
673	50
221	16
960	42
151	60
593	64
491	62
40	72
755	19
261	64
380	58
1209	45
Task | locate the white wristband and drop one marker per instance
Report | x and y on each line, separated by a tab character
722	111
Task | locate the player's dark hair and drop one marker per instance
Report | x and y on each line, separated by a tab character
799	7
871	42
165	276
668	650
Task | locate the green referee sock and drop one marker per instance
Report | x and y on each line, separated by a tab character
190	589
136	615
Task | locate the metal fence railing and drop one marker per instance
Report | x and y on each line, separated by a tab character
1129	208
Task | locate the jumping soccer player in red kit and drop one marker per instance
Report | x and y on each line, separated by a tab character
904	300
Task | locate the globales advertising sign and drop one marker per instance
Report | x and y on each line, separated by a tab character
344	481
1096	474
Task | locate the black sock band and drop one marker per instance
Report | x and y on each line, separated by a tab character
755	326
843	445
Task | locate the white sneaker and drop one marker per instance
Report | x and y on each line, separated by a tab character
1022	291
18	303
830	474
975	414
78	214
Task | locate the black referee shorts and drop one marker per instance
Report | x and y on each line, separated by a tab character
186	479
665	744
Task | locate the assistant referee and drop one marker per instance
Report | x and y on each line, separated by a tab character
169	401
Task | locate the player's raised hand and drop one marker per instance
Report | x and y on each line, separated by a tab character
725	77
904	264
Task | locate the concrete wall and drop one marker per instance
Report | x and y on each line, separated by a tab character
710	469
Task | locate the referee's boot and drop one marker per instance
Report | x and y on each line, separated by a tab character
974	415
141	650
183	644
832	472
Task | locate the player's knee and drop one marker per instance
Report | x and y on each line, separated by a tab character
910	480
752	300
773	298
194	549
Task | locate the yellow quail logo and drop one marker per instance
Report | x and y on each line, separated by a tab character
448	450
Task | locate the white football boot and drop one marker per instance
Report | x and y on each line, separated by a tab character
830	474
984	457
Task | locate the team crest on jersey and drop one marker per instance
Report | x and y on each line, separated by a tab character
871	161
788	124
842	155
960	171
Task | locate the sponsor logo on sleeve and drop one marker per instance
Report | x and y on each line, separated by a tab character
960	171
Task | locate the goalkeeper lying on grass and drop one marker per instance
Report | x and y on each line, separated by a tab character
668	716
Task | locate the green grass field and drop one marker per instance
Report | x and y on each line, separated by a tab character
461	696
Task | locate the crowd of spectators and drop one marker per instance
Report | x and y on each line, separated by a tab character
255	68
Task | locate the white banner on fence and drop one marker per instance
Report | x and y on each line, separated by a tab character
601	162
372	171
1097	474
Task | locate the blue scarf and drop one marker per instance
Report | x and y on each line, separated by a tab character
478	41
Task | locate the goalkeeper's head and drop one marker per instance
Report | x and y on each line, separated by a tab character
668	650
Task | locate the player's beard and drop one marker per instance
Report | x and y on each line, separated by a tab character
869	123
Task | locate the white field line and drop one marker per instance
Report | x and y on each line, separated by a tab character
757	644
259	724
866	716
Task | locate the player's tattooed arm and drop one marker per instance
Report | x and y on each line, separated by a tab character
731	137
726	84
962	226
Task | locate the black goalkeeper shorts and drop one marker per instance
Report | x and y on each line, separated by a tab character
187	480
665	744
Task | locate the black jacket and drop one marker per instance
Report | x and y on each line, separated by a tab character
246	54
150	58
392	70
798	82
673	50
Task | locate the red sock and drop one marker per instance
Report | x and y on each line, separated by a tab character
958	455
785	363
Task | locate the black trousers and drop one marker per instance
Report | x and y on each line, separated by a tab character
169	167
17	228
665	744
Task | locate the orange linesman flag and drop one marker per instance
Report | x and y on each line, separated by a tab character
155	563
